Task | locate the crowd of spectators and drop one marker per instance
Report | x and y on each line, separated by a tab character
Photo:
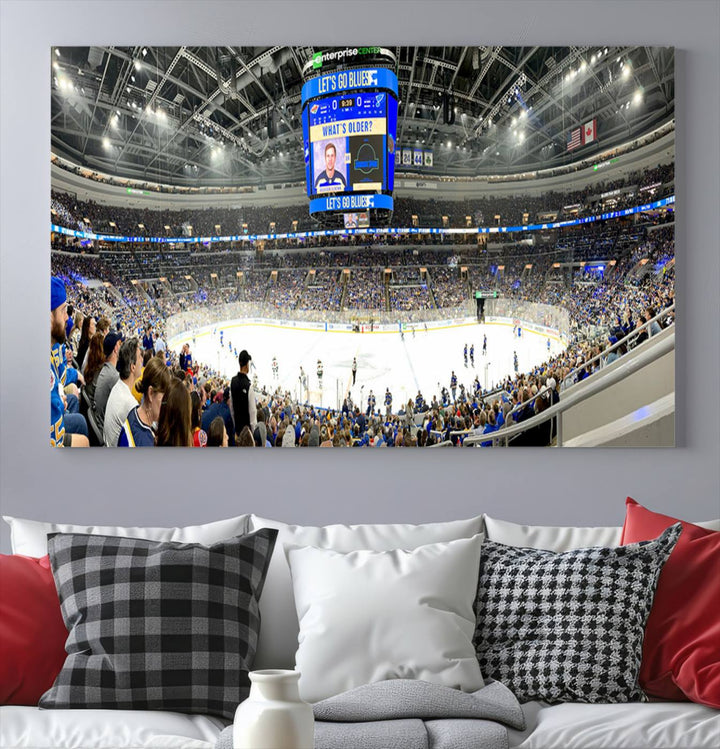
410	298
218	221
364	289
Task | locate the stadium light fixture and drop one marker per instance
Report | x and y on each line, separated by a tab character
626	71
56	66
638	97
57	52
144	51
106	142
138	66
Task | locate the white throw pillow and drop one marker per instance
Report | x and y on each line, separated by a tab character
279	626
29	537
367	616
559	538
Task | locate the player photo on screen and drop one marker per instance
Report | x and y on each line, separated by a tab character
330	170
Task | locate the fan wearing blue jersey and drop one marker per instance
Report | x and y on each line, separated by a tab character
58	317
330	179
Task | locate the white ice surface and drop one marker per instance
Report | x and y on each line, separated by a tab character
421	362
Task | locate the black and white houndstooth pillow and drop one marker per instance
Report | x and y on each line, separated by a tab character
567	627
158	625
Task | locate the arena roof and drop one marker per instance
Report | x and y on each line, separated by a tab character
231	115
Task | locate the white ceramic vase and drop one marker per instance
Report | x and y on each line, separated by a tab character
274	716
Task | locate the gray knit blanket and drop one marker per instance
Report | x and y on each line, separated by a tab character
408	714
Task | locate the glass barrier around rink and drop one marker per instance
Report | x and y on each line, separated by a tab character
535	313
530	313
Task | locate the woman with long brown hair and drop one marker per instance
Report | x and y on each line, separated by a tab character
199	435
139	427
95	360
88	331
174	424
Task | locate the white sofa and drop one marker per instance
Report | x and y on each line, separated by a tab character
656	725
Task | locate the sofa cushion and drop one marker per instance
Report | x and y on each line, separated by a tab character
681	650
654	725
32	632
29	537
157	625
568	626
559	537
549	537
30	728
670	725
279	631
367	616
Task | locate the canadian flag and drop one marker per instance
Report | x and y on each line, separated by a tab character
590	131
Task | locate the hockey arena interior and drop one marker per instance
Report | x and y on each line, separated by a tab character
363	247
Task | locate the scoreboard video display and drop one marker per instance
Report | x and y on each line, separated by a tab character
349	129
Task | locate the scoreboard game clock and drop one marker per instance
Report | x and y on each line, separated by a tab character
349	120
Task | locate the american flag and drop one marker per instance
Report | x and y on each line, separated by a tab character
574	139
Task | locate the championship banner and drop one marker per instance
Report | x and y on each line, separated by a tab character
397	157
428	158
406	157
417	157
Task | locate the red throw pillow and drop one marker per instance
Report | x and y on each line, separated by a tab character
32	632
681	650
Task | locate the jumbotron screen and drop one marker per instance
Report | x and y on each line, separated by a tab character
349	130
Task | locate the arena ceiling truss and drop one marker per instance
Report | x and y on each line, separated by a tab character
231	115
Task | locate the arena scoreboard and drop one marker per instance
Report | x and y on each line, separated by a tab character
349	120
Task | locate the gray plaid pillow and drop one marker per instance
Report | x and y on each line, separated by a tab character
158	625
567	627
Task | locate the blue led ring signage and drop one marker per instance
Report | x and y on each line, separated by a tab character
346	80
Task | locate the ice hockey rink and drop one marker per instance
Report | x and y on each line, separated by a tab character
423	360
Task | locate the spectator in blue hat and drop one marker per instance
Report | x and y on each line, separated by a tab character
59	436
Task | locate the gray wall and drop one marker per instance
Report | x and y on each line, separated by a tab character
158	487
